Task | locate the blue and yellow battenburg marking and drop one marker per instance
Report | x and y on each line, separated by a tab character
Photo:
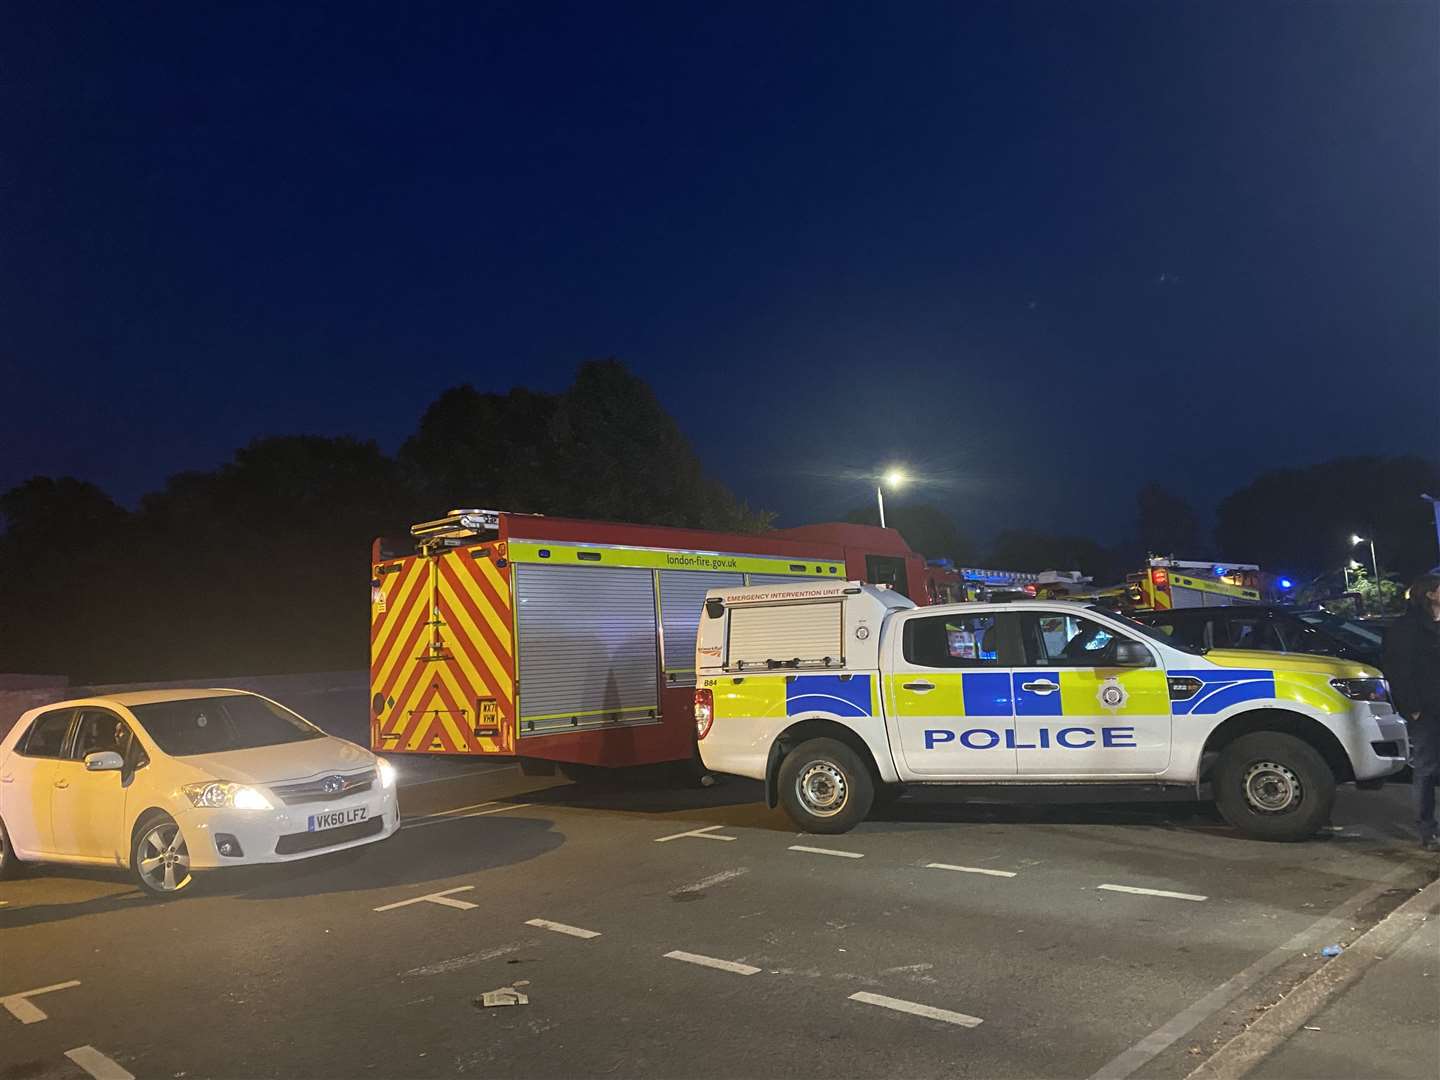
1082	692
1215	691
797	695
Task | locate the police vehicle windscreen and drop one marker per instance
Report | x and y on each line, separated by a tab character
1154	633
215	724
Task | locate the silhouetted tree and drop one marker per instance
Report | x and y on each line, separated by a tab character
63	555
1301	520
1027	549
925	527
1167	524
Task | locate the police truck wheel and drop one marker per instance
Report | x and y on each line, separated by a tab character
825	787
1273	786
10	865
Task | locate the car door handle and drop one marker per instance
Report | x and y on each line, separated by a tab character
9	779
1040	686
919	687
62	783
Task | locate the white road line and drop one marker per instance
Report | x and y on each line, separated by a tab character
23	1010
1322	930
968	869
455	963
707	833
927	1011
1152	892
561	928
714	879
455	815
711	962
97	1064
828	851
443	897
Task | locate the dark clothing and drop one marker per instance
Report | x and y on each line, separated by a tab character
1412	664
1425	761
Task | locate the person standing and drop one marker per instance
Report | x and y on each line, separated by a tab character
1412	664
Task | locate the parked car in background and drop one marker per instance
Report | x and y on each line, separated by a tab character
1270	629
169	781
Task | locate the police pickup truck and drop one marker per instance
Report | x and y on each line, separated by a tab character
838	694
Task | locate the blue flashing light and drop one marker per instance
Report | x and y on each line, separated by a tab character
1219	571
1285	583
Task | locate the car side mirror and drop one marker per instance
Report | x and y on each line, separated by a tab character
1131	654
104	761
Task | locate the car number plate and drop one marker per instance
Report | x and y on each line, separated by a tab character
335	818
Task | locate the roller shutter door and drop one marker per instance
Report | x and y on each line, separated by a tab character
587	650
809	633
682	596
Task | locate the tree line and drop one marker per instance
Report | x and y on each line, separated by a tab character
1296	522
261	565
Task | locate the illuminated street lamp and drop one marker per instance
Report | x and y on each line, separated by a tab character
892	478
1373	561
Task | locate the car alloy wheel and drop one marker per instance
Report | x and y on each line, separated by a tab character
163	860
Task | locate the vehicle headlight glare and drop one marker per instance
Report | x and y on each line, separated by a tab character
220	793
386	771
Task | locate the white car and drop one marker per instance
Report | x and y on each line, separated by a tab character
169	781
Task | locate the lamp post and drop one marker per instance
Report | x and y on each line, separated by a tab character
1373	561
894	478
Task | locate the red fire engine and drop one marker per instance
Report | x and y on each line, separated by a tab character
570	641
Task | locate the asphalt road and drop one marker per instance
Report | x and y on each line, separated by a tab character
662	932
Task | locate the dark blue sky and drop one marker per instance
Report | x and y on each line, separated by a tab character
1043	251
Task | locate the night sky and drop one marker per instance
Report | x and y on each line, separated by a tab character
1042	252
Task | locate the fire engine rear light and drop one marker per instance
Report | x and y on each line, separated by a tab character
1160	576
704	712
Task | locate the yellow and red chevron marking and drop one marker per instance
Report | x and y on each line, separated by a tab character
438	672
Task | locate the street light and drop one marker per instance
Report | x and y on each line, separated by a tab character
893	478
1373	561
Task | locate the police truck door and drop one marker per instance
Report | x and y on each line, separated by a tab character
948	694
1078	713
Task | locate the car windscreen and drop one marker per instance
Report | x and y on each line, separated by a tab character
214	724
1154	633
1348	631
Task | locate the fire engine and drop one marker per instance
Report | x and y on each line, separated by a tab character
1175	583
565	641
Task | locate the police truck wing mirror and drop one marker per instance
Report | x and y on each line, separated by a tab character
104	761
1131	654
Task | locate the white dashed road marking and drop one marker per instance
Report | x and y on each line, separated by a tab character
456	815
707	833
1152	892
97	1064
561	928
968	869
21	1008
711	962
927	1011
443	897
828	851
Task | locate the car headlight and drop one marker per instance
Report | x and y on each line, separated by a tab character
1363	689
386	771
219	793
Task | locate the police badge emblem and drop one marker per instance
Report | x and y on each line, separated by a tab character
1112	695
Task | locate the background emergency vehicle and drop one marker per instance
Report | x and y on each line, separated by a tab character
566	641
835	693
1177	583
